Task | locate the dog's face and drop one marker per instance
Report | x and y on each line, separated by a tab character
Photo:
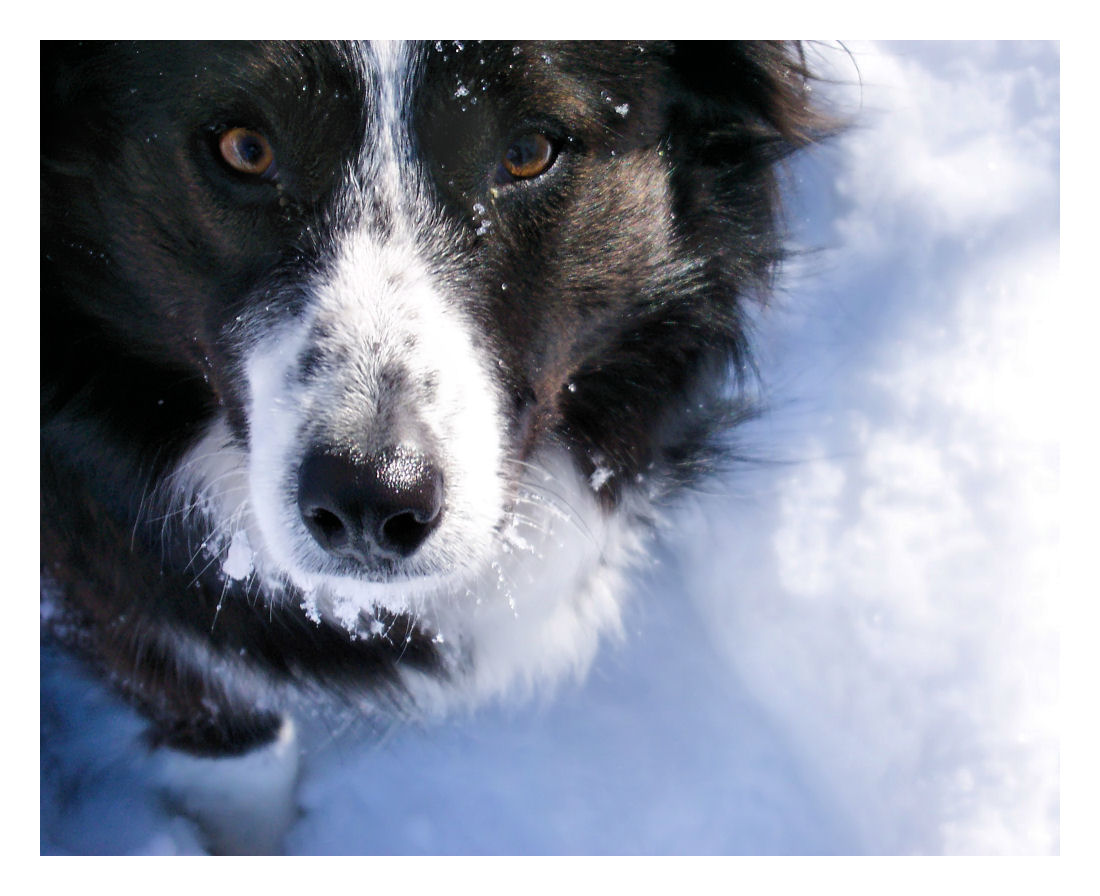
406	282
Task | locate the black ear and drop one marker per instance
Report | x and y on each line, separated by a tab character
740	94
68	102
86	97
735	110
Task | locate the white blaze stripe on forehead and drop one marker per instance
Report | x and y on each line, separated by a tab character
377	310
389	65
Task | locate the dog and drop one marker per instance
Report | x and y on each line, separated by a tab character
367	369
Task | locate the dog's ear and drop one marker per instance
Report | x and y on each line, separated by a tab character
63	96
735	94
78	123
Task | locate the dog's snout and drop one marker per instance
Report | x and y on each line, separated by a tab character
367	508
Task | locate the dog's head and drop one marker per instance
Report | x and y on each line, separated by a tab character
388	289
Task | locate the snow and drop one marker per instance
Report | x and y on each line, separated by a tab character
851	646
599	477
239	559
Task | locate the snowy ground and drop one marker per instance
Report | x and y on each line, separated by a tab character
851	648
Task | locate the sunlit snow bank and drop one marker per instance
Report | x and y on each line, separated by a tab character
892	600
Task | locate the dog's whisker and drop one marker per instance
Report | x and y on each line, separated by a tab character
557	507
221	601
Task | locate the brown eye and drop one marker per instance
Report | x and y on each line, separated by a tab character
528	157
247	152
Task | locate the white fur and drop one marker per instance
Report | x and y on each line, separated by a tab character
551	589
243	805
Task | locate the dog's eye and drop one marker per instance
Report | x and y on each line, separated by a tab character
530	156
248	152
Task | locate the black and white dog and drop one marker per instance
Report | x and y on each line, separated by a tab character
365	367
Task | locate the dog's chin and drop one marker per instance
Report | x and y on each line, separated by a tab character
356	594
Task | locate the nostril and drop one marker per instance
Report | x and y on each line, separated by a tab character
328	526
404	533
329	504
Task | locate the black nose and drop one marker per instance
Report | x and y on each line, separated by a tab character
363	509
